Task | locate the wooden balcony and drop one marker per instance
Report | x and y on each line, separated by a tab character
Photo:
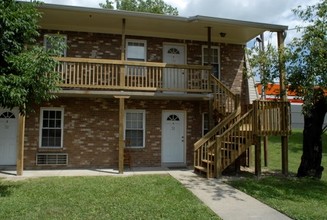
105	74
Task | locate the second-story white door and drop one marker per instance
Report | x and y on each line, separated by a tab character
174	78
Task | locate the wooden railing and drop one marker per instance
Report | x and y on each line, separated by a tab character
271	117
203	148
225	102
227	105
232	143
214	153
129	75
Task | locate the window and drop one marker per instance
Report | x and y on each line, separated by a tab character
51	128
135	128
7	115
136	51
205	123
215	59
57	43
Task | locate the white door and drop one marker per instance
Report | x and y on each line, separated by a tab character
8	136
174	78
173	137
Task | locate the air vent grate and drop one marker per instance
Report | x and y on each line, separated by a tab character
52	159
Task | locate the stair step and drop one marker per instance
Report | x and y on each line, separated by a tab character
202	169
207	161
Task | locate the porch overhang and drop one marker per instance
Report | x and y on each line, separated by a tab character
71	18
133	95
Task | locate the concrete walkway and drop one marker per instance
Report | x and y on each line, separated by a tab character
226	201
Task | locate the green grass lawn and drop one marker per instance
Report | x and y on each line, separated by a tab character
134	197
298	198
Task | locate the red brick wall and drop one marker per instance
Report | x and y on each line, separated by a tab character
91	131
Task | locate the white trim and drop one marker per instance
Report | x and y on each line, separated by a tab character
144	129
137	41
218	61
41	126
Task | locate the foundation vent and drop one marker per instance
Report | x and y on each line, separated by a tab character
51	159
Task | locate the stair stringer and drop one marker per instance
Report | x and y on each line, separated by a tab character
232	143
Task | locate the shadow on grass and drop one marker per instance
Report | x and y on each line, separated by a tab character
289	188
6	188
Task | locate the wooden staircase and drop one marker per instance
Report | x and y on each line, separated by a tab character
234	134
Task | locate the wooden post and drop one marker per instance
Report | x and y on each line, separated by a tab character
121	144
283	93
263	97
210	111
20	144
123	55
257	166
218	157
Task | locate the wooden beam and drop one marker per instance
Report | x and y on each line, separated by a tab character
123	52
121	141
257	167
283	94
210	111
20	145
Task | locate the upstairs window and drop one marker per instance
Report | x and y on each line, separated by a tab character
136	50
215	59
56	43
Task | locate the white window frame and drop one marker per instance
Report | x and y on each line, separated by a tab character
45	40
203	123
136	41
61	126
214	62
136	71
143	126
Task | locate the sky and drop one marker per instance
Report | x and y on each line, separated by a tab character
265	11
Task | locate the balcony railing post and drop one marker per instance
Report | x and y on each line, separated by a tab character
122	76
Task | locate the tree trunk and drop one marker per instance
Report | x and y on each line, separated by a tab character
312	143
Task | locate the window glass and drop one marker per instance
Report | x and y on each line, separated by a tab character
205	123
56	43
136	50
215	59
134	128
51	128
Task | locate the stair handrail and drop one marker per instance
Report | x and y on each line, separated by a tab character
246	133
221	85
218	129
221	94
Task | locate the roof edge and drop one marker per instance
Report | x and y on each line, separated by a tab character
196	18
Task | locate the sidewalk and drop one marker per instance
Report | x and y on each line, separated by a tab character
226	201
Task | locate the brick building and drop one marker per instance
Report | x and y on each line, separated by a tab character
136	82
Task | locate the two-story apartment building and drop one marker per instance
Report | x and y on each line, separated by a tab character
133	83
